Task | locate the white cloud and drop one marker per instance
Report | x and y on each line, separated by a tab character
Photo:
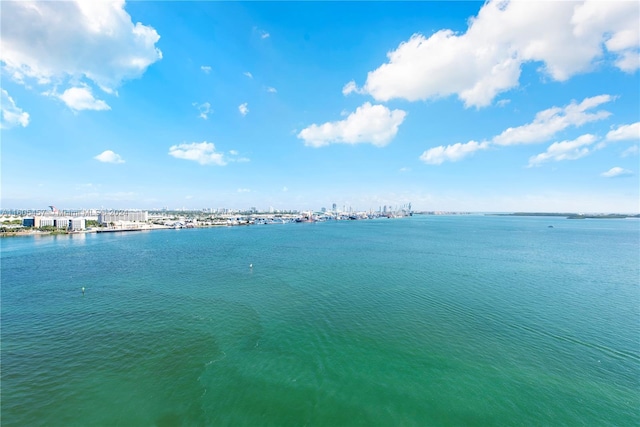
616	172
204	109
549	122
617	24
243	108
629	61
272	90
109	156
374	124
234	157
12	115
263	34
244	190
631	151
54	41
625	133
503	102
403	170
205	68
203	153
566	37
248	74
285	189
565	150
546	125
81	98
350	88
452	153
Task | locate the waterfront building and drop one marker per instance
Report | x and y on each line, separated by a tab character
61	223
76	224
118	216
44	222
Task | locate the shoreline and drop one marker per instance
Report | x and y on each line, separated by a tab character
145	227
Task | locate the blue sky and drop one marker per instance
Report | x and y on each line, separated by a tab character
465	106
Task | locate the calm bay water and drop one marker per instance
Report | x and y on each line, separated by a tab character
469	320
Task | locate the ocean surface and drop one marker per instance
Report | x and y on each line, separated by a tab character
422	321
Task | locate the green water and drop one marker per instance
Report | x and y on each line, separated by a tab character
470	320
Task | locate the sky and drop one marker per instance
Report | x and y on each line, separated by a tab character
451	106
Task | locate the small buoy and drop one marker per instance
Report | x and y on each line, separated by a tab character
83	290
250	265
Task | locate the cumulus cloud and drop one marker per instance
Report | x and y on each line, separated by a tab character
549	122
625	133
374	124
566	37
248	74
616	172
204	109
452	153
79	41
271	89
109	156
12	115
81	98
203	153
564	150
351	88
205	69
546	125
243	108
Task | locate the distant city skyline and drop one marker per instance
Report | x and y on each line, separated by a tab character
449	106
53	210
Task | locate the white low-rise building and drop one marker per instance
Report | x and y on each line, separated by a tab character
44	221
62	223
128	216
76	224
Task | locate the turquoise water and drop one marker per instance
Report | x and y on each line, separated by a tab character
452	320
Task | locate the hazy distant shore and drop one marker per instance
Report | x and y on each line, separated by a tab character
571	215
